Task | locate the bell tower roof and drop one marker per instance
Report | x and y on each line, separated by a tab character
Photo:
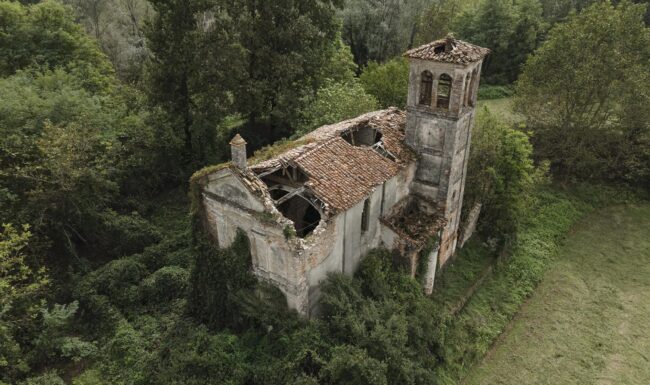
449	50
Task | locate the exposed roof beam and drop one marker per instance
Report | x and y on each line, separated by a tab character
289	195
269	171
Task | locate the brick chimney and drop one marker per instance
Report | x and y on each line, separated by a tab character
238	152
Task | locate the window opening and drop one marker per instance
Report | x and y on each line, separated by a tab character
303	215
365	216
444	91
467	90
364	136
426	88
472	86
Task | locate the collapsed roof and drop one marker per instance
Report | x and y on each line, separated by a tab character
339	165
449	50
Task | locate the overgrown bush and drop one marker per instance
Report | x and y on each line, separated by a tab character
500	175
387	82
392	327
165	284
335	102
118	280
487	92
586	107
216	277
194	356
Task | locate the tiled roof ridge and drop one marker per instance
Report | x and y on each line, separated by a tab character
461	51
318	146
323	135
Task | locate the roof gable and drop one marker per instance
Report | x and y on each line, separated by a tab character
227	185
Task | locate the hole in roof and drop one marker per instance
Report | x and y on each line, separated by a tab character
277	194
304	216
439	49
292	199
363	136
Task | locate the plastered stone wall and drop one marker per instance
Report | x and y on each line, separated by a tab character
470	223
442	139
229	205
298	266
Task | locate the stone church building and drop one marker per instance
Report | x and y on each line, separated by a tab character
388	178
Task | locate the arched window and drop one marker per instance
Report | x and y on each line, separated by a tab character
444	91
365	216
472	86
467	90
426	87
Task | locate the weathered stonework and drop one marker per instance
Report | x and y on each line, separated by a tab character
387	178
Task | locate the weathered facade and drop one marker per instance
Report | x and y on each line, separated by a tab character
387	178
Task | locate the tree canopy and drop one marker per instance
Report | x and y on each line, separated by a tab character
584	93
105	276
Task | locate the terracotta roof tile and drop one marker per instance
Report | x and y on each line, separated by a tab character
461	52
339	173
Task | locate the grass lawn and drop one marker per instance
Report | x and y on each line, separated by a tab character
587	322
502	108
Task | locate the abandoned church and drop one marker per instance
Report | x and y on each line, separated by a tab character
389	178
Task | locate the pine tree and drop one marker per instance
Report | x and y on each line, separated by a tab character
191	74
287	43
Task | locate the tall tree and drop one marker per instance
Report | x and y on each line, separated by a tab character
45	35
528	33
287	43
511	30
387	82
378	30
63	153
22	290
585	94
437	19
500	174
117	26
194	51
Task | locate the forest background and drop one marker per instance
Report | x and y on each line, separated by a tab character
107	107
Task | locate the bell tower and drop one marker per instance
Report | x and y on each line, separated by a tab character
443	86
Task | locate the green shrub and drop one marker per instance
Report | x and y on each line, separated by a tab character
216	276
335	102
171	251
487	92
192	355
382	313
49	378
55	343
118	280
352	366
165	284
387	82
133	232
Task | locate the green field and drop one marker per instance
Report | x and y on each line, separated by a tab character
588	321
501	107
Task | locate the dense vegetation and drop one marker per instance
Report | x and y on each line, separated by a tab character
107	107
